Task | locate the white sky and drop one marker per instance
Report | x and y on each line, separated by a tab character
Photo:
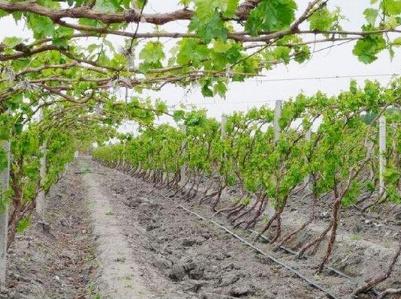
338	61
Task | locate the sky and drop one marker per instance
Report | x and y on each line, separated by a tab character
338	61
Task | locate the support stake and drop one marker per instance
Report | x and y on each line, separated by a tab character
223	126
382	153
270	210
276	124
41	198
308	137
4	183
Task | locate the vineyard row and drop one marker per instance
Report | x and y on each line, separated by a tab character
319	149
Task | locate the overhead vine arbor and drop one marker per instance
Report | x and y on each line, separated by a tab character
72	53
76	53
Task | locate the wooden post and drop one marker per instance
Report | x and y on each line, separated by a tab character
4	183
382	153
276	124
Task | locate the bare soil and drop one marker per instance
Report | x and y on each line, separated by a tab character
147	247
55	258
189	258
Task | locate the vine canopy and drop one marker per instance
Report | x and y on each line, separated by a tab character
80	51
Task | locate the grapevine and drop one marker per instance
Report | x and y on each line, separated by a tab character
60	93
267	172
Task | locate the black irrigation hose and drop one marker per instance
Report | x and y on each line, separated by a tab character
292	252
272	258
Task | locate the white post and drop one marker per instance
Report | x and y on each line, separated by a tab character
4	183
276	124
223	125
270	210
41	198
183	168
382	152
308	137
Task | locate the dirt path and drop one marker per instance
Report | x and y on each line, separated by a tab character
119	274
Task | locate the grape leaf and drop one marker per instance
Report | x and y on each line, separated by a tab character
271	15
367	48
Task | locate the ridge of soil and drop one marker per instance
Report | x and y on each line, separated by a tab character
54	259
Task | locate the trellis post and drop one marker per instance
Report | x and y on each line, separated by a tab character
382	153
223	125
183	168
4	184
308	137
41	198
276	121
277	130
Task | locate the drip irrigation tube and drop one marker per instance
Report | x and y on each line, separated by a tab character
272	258
292	252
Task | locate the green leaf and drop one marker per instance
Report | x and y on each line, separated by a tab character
321	20
61	36
185	2
205	9
271	15
397	42
392	22
230	7
302	53
42	27
206	90
140	3
371	15
152	55
220	88
191	51
178	115
391	7
106	6
212	28
3	13
90	22
367	48
11	42
23	224
220	46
